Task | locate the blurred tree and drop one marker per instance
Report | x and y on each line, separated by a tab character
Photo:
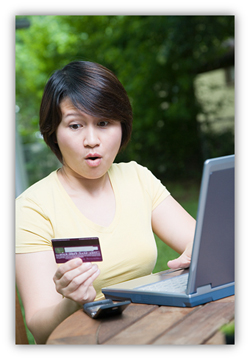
155	57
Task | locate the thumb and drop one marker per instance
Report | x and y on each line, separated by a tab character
183	261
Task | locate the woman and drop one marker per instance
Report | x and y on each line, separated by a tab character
86	119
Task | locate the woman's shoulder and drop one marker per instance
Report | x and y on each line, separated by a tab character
40	189
131	168
132	173
136	177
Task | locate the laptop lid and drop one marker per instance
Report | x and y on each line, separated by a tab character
211	272
213	251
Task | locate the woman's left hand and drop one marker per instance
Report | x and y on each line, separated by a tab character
183	261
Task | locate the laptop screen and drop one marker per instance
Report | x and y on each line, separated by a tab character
215	262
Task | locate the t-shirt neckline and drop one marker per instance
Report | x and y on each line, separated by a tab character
87	221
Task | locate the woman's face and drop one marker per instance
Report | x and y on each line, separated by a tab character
88	144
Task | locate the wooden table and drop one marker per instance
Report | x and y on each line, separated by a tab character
149	324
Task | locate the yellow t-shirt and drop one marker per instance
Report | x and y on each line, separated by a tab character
45	211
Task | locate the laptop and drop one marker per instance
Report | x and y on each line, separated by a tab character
211	273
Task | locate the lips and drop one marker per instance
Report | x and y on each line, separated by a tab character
93	159
93	156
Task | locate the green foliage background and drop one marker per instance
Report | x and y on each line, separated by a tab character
155	57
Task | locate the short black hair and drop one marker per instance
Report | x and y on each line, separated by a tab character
92	88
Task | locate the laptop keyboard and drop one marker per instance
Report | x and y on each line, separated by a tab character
176	284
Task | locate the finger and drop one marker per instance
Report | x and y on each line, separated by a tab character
87	295
69	265
174	264
83	279
181	262
86	290
71	274
92	278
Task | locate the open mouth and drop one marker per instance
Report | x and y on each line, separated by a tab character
93	156
93	159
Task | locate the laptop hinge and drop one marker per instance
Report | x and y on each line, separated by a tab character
203	289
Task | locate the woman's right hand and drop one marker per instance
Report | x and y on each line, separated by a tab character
74	280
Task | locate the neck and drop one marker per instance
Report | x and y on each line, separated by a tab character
76	183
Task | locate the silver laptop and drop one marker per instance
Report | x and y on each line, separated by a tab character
211	272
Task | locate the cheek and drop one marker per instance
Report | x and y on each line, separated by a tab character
116	139
64	143
118	135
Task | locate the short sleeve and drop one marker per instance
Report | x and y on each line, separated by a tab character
33	228
154	187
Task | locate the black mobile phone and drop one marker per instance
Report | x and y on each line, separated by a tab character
104	308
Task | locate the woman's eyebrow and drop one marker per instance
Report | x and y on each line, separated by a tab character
72	114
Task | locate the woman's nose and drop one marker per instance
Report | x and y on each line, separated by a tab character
91	137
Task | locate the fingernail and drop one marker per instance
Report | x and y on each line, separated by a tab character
78	261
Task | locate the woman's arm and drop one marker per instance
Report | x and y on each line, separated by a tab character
173	225
42	283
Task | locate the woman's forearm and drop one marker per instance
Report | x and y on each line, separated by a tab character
44	321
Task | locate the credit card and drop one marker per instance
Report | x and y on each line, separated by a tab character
88	249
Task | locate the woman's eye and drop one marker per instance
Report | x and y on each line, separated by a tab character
74	126
103	123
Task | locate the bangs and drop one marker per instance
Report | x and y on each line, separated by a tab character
92	89
95	94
